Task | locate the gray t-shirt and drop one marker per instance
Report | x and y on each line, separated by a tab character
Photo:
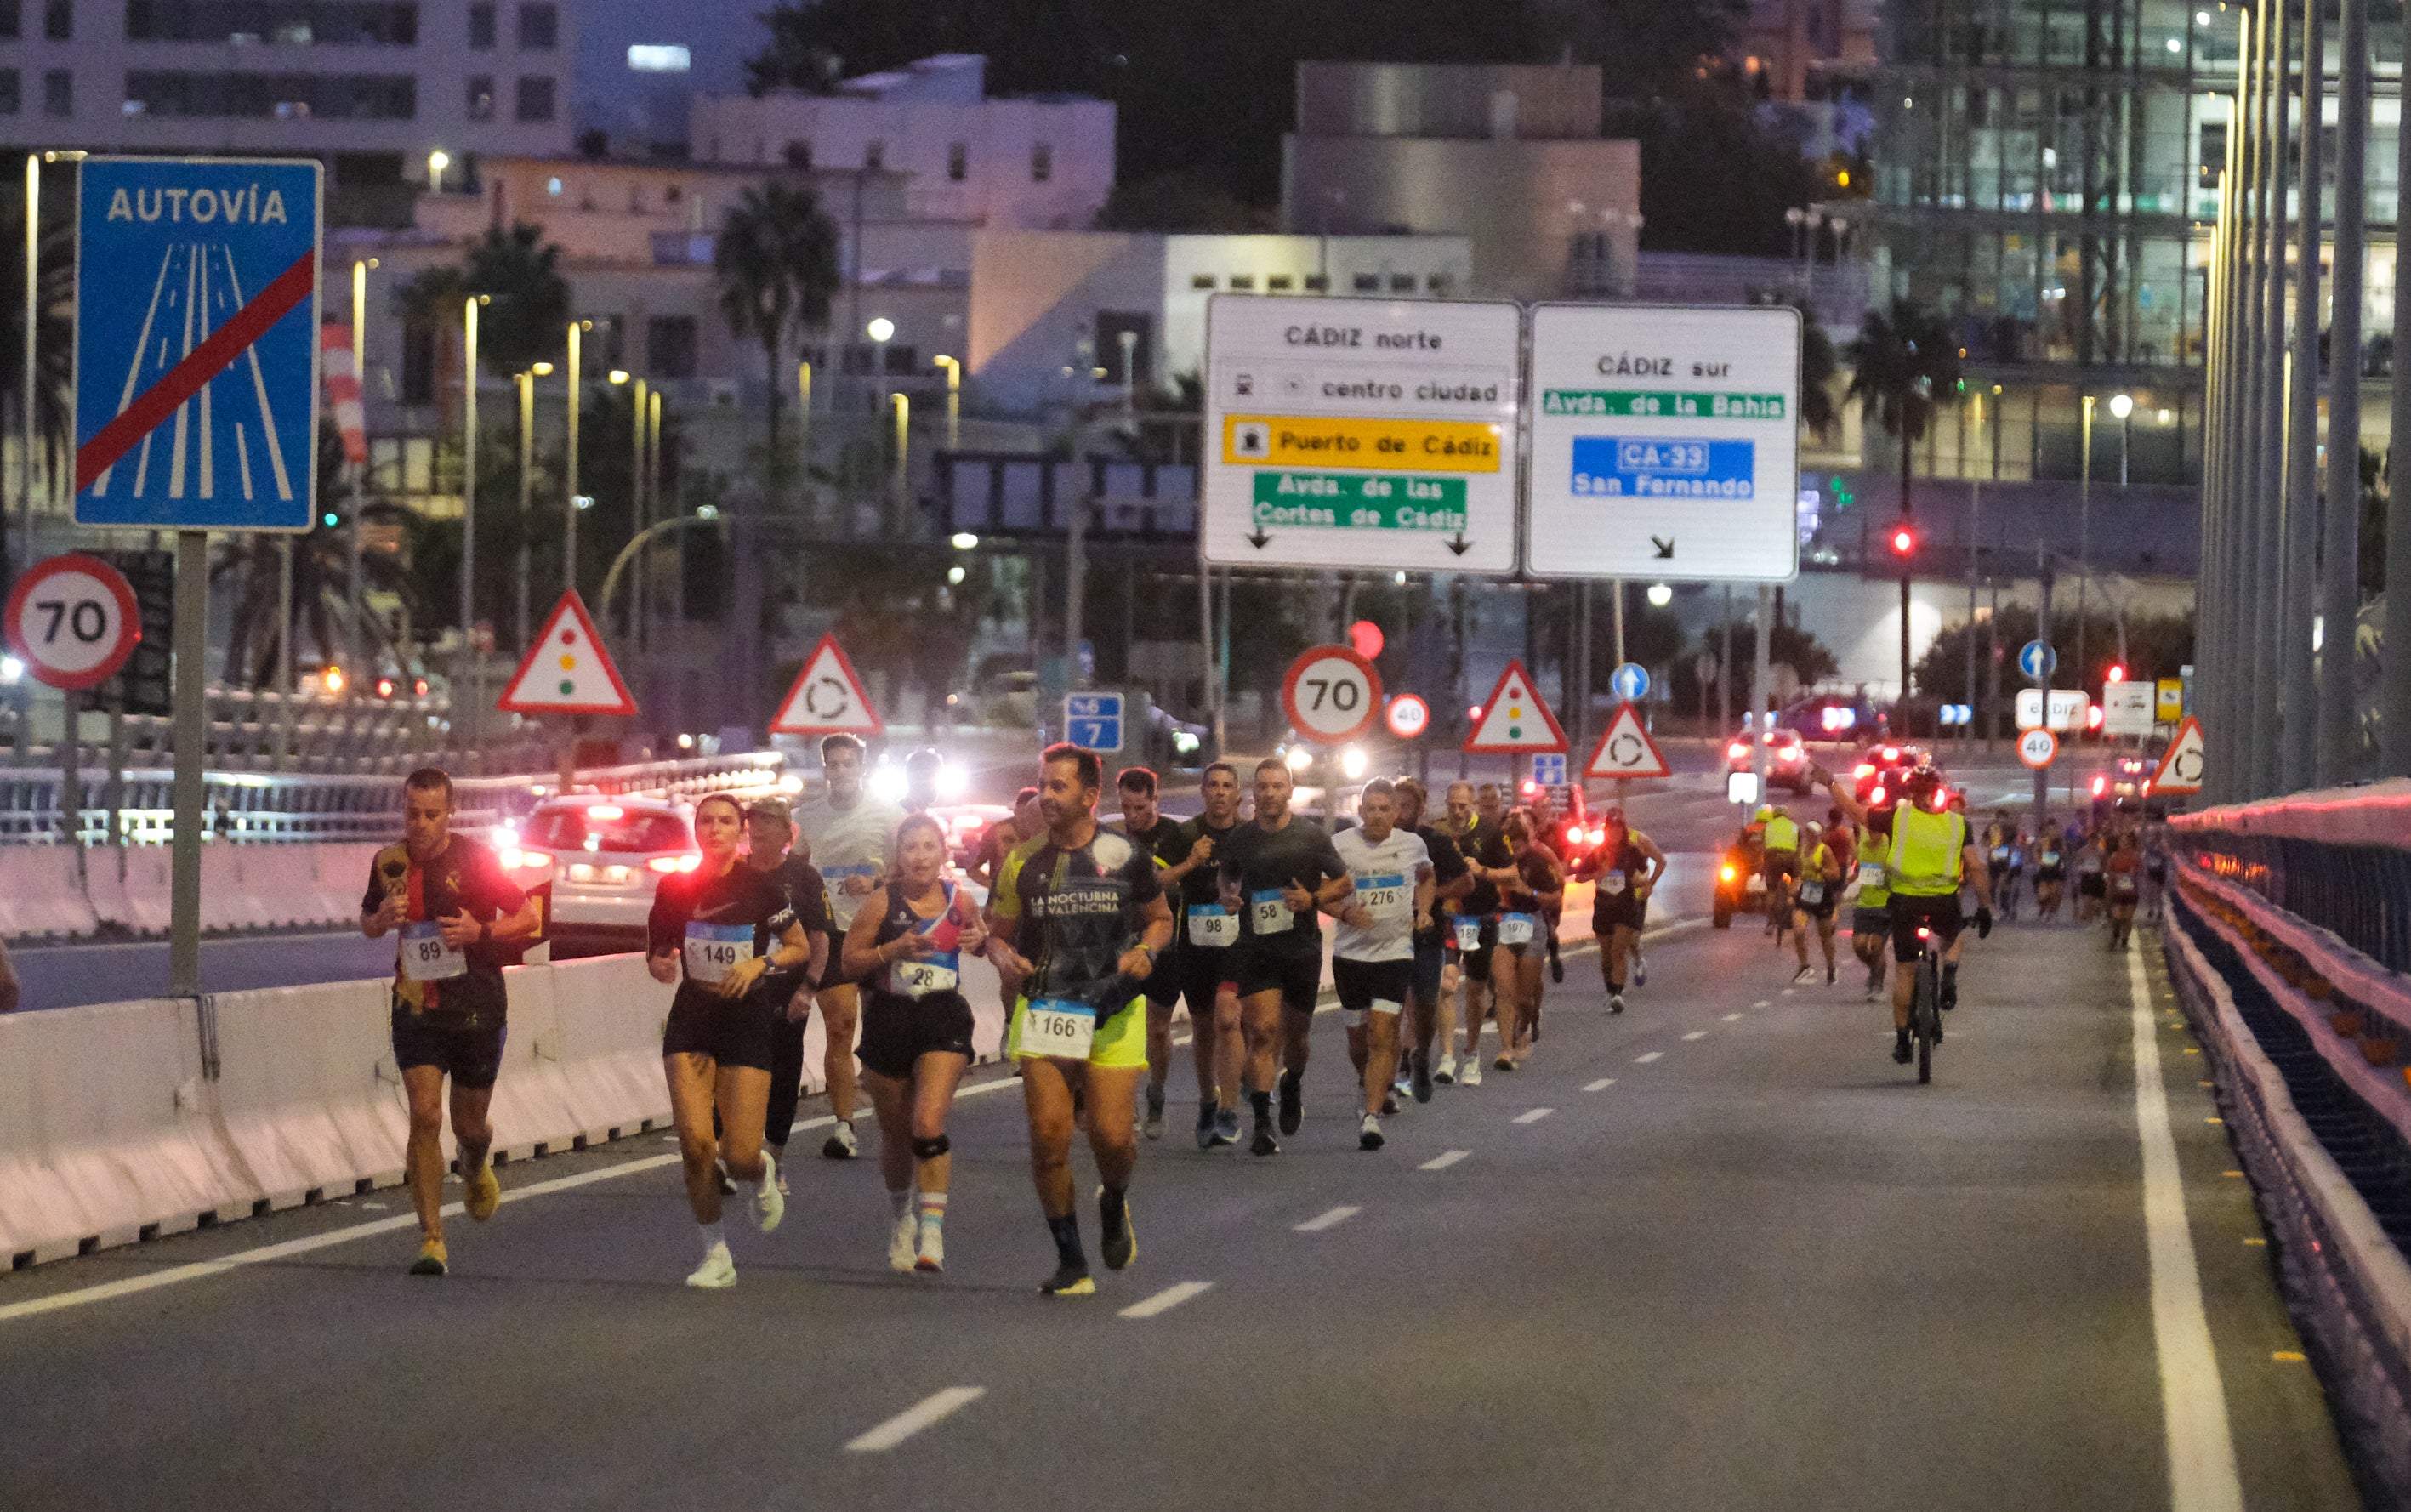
859	841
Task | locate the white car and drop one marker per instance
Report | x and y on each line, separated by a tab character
603	857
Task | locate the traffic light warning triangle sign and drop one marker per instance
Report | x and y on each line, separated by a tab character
1514	720
567	670
1626	750
827	698
2181	768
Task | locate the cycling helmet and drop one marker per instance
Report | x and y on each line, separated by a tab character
1920	782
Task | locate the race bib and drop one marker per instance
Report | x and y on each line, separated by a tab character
1385	896
714	950
425	957
1270	915
1053	1026
1515	928
1812	892
2125	884
1871	874
1212	925
1468	934
919	979
1610	882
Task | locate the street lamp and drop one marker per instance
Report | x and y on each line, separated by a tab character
2084	531
954	398
437	161
2123	406
1660	595
881	331
526	382
468	502
569	482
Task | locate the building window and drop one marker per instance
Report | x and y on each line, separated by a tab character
874	155
538	26
8	102
1316	282
1439	283
335	96
481	26
659	58
903	361
1402	282
481	98
1243	281
1366	283
418	362
12	19
290	22
670	345
959	161
535	98
1042	162
800	155
1201	280
58	21
58	93
1280	284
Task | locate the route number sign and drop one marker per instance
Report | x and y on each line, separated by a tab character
74	621
1331	695
2038	748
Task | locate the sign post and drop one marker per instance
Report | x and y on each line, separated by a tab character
196	400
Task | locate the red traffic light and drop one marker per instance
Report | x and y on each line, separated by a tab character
2117	674
1904	541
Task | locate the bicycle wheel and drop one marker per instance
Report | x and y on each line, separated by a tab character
1923	1017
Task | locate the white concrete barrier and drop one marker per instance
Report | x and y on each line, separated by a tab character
307	1089
40	892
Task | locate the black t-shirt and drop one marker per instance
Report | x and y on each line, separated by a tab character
1081	909
741	912
1260	862
898	918
1534	866
1448	865
809	897
1202	887
1474	846
466	875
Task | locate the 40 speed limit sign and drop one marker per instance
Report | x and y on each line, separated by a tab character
73	619
1331	695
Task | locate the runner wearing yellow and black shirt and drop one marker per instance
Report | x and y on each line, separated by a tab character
458	914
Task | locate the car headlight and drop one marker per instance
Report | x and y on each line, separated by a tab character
886	783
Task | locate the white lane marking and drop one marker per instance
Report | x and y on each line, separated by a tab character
2201	1453
1599	1085
1697	1033
1644	1060
1730	1017
1332	1219
1168	1299
1535	1115
1441	1162
1762	1003
1788	991
931	1409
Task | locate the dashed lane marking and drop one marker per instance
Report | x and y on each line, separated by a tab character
1730	1017
1599	1085
1697	1033
931	1409
1535	1115
1644	1060
1763	1002
1441	1162
1168	1299
1332	1219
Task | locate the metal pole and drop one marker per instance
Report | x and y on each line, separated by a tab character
2395	696
1076	582
1223	670
900	489
284	644
2266	550
1762	689
2084	544
526	382
639	507
360	650
804	428
1725	670
1206	645
1581	700
569	466
2339	743
2297	682
32	318
465	713
191	633
2043	681
1975	533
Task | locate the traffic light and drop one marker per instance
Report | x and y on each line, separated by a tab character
2117	673
1904	541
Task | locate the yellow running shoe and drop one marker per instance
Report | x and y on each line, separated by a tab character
484	1195
431	1259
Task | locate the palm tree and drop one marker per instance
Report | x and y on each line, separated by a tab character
54	334
528	320
776	263
1898	365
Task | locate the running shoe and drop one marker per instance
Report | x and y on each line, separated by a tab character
1068	1281
1264	1144
1420	1081
1389	1104
901	1241
1119	1241
1506	1062
1557	967
1153	1125
1640	967
1829	976
770	1203
433	1260
1368	1133
719	1177
1900	1050
932	1256
1206	1122
717	1273
483	1194
779	1169
1469	1072
1801	975
1293	1102
1949	998
1445	1073
841	1145
1226	1127
1615	1002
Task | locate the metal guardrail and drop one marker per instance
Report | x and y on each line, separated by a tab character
267	808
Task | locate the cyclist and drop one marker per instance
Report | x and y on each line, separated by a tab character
1625	868
1814	903
1931	856
1781	867
1372	952
457	912
1144	822
2125	875
1278	874
1208	930
769	830
1871	914
1473	928
1452	880
2050	873
906	945
717	933
1079	922
847	832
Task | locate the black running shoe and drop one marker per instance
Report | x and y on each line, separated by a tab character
1389	1104
1264	1142
1949	998
1120	1243
1900	1050
1068	1281
1205	1112
1557	967
1423	1082
1293	1102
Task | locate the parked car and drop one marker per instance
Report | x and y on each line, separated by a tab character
1876	779
1787	758
604	856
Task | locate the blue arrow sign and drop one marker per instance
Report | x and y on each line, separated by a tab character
197	353
2037	661
1630	682
1093	721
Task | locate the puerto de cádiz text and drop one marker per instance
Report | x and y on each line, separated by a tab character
199	207
1666	404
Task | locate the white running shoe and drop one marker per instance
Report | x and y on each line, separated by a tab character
1368	1133
1615	1002
1469	1072
1640	968
933	1253
717	1273
1444	1068
901	1243
770	1199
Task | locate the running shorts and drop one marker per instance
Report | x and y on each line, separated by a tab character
1627	910
897	1031
1120	1043
1204	971
471	1055
741	1033
1377	986
1865	920
1939	913
1296	976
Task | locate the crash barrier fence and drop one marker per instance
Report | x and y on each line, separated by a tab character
2308	1031
255	807
123	1122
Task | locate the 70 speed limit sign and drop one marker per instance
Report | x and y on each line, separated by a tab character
1331	695
74	621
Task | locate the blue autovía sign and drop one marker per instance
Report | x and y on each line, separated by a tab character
1656	466
197	353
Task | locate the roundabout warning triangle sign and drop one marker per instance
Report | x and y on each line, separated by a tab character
566	669
827	698
1626	749
1514	720
2180	771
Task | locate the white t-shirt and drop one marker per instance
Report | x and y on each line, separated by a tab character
853	841
1385	878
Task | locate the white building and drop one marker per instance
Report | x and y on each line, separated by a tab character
373	89
1044	161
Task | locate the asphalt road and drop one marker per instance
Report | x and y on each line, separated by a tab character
1718	1253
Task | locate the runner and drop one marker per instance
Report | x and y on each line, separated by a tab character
1024	822
2051	874
847	832
1202	957
1473	928
718	933
1818	895
1372	952
1277	873
1080	922
2091	891
1434	1018
1871	914
769	830
1144	822
1544	823
457	912
1528	874
10	990
2124	872
906	946
1625	868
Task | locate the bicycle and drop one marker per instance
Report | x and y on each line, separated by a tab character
1925	1004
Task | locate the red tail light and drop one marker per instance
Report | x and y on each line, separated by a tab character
1864	769
667	864
1573	834
2100	785
1876	797
1737	749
